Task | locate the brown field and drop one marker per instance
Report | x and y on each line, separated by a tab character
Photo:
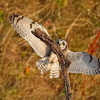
76	21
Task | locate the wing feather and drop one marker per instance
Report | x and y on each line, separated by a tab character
46	65
84	63
24	26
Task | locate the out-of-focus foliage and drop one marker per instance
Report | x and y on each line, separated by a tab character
76	21
1	16
63	3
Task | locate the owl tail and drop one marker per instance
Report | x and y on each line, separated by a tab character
55	70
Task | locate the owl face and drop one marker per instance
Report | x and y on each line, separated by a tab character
62	44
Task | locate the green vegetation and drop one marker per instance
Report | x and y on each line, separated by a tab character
76	21
1	17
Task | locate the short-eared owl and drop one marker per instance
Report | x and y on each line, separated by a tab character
81	62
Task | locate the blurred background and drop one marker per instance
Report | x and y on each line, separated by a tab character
76	21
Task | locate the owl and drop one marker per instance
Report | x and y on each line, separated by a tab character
81	62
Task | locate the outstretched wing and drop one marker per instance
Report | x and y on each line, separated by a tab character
84	63
24	26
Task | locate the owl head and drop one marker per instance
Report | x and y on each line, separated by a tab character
62	43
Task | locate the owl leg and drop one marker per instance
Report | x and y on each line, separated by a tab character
42	65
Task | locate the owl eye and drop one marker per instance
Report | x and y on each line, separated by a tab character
52	62
63	43
57	42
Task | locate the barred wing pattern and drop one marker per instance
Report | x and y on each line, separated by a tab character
49	64
24	26
45	65
84	63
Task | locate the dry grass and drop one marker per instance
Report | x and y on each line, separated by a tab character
19	83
